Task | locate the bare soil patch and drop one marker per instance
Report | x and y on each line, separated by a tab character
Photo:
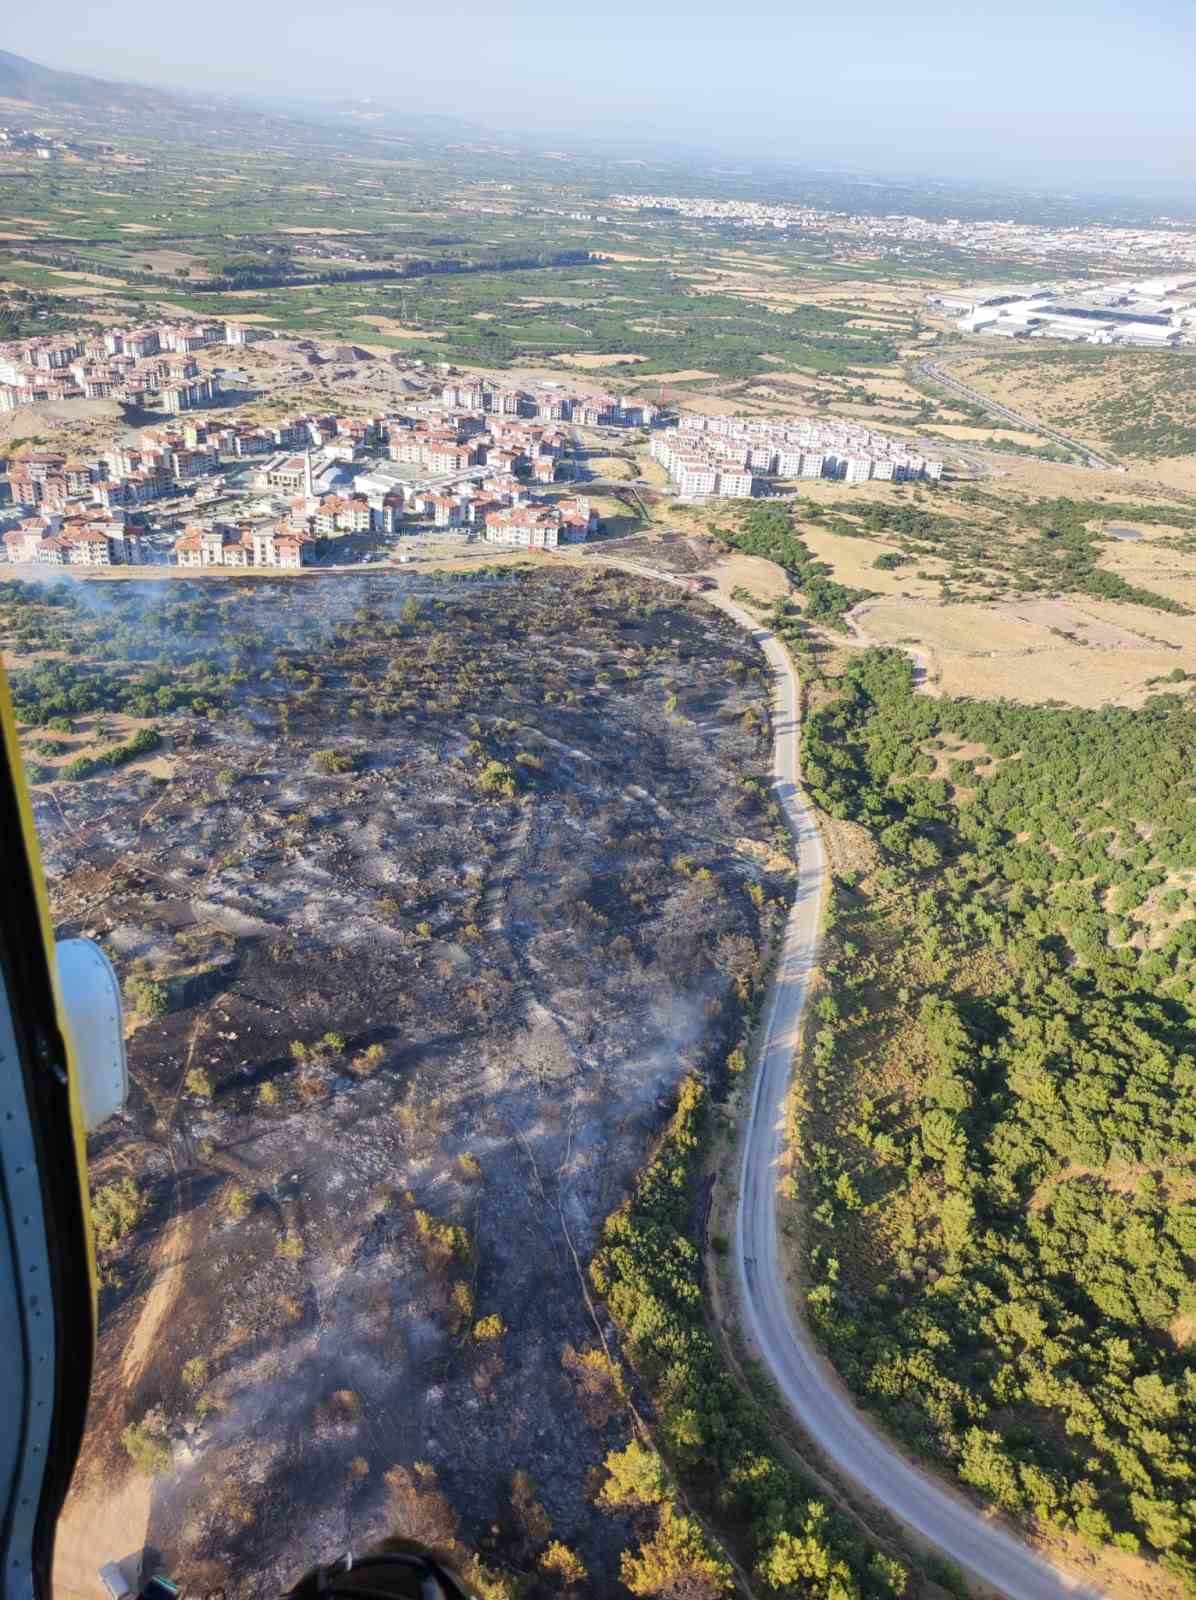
590	363
396	330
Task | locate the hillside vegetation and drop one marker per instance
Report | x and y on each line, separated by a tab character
999	1141
1137	402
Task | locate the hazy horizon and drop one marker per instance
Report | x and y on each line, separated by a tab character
1071	95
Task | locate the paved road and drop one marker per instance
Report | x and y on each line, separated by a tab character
934	368
806	1382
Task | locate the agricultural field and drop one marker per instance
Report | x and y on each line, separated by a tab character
424	894
433	254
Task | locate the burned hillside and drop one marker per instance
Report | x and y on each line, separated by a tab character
424	894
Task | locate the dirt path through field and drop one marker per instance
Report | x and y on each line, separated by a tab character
926	671
167	1270
104	1524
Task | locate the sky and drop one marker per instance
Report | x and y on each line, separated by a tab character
1090	94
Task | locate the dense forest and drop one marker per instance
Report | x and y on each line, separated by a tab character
238	273
1000	1128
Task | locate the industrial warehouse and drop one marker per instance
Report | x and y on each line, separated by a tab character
1151	314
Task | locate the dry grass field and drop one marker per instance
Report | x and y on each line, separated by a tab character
1084	652
853	562
392	328
1139	404
1015	436
762	579
610	467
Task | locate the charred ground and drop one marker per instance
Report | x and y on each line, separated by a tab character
428	896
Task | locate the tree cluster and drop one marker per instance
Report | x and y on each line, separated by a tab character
648	1269
1003	1235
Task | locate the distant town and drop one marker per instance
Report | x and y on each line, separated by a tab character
1163	246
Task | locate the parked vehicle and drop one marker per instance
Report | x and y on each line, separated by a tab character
112	1576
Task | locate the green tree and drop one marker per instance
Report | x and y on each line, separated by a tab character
147	998
676	1559
146	1448
116	1209
635	1477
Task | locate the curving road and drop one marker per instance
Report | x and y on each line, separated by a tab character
934	368
807	1384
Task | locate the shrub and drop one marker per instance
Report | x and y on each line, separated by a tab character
636	1477
334	761
147	998
195	1372
442	1241
237	1201
146	1448
564	1565
198	1082
677	1559
598	1381
470	1166
289	1247
345	1404
489	1328
532	1516
367	1061
497	779
116	1208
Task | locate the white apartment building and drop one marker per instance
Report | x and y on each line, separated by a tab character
694	477
790	447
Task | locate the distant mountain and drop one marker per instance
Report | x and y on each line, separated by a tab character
174	113
46	86
376	118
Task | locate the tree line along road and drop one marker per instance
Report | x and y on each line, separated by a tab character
808	1386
